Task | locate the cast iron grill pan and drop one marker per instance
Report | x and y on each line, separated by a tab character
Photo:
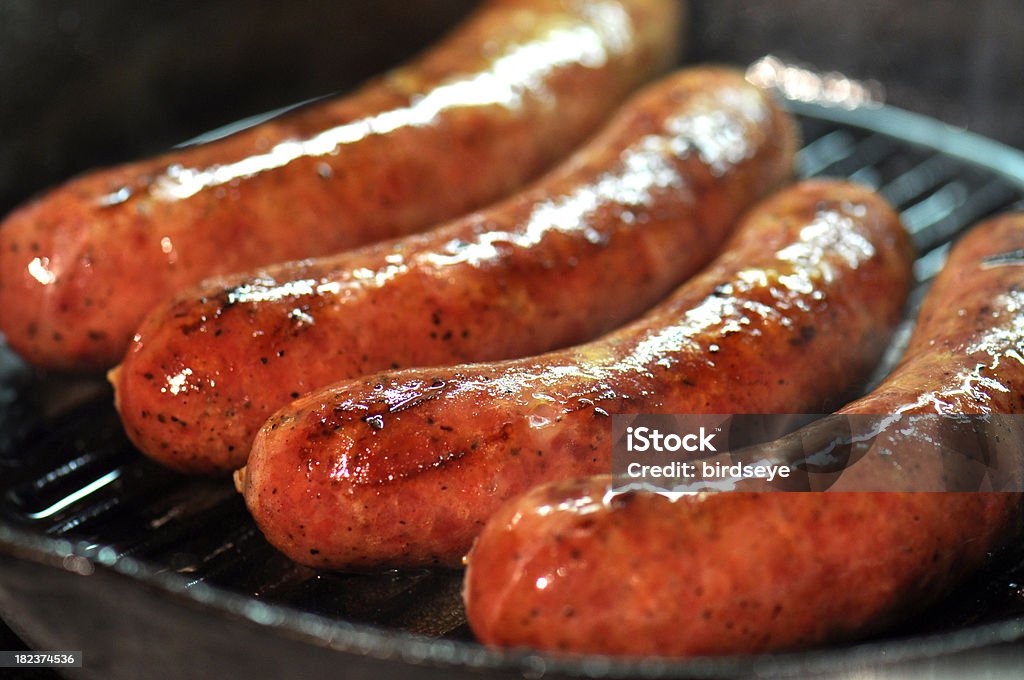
84	513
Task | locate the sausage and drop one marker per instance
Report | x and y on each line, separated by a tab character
566	568
403	468
518	85
590	246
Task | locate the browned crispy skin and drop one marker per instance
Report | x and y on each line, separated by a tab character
753	572
404	468
592	245
514	88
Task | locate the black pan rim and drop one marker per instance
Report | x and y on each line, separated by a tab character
401	647
410	649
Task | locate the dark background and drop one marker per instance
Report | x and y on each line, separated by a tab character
84	84
961	62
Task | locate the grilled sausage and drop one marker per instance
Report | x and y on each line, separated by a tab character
590	246
404	468
567	568
512	90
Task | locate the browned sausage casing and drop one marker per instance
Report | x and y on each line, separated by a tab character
513	89
404	468
587	248
562	568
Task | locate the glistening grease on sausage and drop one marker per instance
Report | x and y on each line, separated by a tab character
404	468
563	568
517	86
590	246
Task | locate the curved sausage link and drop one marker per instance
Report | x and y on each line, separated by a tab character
514	88
563	568
404	468
590	246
